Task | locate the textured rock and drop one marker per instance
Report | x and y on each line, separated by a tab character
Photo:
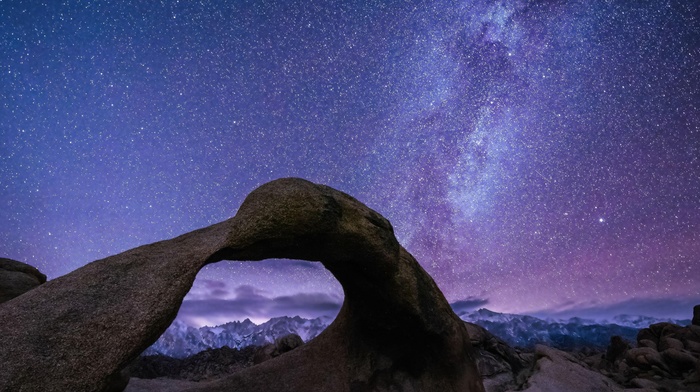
647	334
678	349
692	346
693	379
395	330
205	365
643	383
288	343
616	350
678	360
159	385
16	278
667	342
498	363
280	346
647	343
695	330
556	371
644	358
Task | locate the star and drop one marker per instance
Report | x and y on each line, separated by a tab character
492	134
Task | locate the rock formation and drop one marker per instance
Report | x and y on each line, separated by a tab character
279	347
667	352
667	357
499	364
16	278
556	371
395	330
616	350
206	365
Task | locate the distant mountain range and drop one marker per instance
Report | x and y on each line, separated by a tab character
181	340
574	333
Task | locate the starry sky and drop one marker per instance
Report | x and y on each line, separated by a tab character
536	156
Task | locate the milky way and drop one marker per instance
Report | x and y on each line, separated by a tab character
535	156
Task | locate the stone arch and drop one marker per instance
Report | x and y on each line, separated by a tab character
395	330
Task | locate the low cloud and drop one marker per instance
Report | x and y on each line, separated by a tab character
208	307
674	308
469	304
208	289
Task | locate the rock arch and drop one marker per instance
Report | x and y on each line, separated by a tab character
395	330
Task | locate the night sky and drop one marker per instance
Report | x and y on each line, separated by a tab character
536	157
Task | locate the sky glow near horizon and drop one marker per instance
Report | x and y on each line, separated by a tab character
535	156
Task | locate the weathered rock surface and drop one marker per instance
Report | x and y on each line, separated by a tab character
206	365
16	278
556	371
675	346
280	346
616	350
499	364
395	330
644	358
666	359
160	385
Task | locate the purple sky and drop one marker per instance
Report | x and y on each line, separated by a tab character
535	156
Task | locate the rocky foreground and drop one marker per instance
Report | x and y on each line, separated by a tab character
502	367
666	358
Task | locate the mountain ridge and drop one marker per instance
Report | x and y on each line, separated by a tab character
181	340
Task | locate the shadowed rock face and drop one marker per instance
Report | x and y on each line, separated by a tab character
394	332
16	278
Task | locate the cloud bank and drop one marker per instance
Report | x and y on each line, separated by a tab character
212	303
674	308
469	304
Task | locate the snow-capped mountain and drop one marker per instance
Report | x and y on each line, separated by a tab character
181	340
526	331
644	321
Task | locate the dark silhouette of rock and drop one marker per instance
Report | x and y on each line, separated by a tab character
678	359
666	359
16	278
676	347
206	365
117	382
644	358
395	330
154	366
288	343
667	342
499	364
647	343
647	334
616	350
696	315
280	346
676	368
